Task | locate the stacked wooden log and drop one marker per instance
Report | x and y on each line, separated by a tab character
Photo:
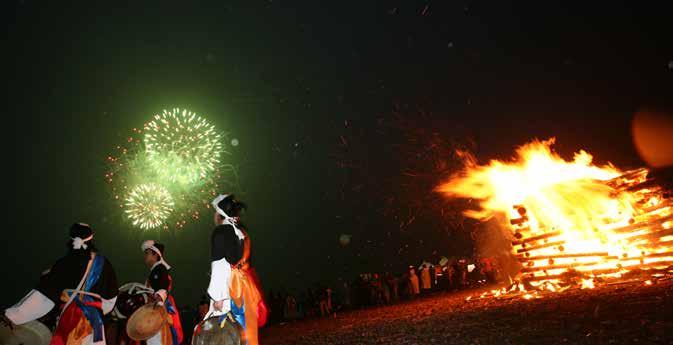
544	256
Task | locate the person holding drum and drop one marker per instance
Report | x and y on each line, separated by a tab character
233	287
161	282
82	284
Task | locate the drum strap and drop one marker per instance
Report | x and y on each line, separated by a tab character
77	290
81	292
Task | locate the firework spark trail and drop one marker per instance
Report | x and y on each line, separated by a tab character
149	205
176	155
182	146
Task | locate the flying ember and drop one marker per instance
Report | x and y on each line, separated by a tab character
571	222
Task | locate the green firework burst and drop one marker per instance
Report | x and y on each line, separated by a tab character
130	165
149	205
182	146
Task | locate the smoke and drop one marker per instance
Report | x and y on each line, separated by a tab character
494	240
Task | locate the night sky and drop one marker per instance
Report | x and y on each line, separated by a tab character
347	114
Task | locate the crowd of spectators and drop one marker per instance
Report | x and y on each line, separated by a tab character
373	289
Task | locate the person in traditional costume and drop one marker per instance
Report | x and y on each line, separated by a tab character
161	282
234	286
82	284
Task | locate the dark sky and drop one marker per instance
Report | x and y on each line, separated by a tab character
343	111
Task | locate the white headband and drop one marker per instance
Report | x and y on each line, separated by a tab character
149	244
78	242
217	208
227	219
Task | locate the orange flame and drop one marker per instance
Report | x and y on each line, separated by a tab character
569	216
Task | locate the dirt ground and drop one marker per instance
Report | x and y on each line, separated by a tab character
627	313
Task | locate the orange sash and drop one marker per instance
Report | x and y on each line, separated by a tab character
243	291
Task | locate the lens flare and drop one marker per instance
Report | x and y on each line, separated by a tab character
149	205
182	146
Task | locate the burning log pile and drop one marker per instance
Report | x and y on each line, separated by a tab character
573	224
646	241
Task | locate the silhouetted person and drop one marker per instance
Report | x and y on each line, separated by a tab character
414	284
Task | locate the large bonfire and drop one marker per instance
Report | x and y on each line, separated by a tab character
572	223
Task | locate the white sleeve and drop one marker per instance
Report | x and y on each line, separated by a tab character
226	307
163	294
108	305
32	307
220	274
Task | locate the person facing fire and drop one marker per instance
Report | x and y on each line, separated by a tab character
488	269
413	283
233	283
425	278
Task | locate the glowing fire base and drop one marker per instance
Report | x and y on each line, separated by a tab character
574	224
646	242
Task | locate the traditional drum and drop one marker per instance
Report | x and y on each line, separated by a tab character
147	321
33	333
218	330
131	297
